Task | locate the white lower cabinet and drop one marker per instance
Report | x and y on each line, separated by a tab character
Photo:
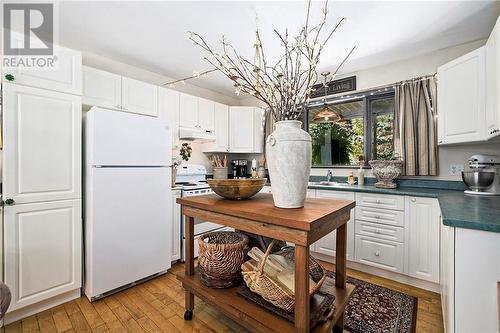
42	244
380	253
176	226
326	245
423	223
447	277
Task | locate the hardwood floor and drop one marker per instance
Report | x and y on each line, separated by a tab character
158	306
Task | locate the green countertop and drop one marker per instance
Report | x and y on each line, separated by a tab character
457	208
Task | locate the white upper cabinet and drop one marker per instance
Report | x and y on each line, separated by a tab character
139	97
42	250
493	82
258	139
101	88
206	118
462	99
241	124
188	111
221	128
42	144
424	226
168	111
65	76
108	90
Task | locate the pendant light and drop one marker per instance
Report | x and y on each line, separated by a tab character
326	114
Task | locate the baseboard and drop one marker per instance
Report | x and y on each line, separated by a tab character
398	277
30	310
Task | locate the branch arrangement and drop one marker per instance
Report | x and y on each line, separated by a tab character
286	86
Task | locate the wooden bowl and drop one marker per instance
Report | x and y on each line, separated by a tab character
237	189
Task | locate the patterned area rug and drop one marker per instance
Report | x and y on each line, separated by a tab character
375	309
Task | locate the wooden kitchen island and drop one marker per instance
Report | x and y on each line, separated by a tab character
301	226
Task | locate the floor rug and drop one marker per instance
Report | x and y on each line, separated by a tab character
375	309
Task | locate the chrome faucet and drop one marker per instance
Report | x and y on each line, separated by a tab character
329	175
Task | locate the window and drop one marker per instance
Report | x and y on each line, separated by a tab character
366	130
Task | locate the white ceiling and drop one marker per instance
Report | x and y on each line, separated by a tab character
152	34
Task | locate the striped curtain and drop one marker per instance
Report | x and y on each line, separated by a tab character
415	129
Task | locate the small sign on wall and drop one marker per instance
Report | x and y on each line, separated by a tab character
335	87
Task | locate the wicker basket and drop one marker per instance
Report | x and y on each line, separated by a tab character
258	282
221	254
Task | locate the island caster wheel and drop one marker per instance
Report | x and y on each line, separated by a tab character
188	315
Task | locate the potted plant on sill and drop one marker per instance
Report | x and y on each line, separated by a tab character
284	88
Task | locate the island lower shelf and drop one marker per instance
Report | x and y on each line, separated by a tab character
252	315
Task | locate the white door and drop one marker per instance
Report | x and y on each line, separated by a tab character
64	76
128	226
241	135
221	128
126	139
168	112
206	118
188	111
461	99
139	97
423	216
176	226
258	126
447	277
101	88
326	245
43	250
42	144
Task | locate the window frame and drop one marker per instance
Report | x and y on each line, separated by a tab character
367	97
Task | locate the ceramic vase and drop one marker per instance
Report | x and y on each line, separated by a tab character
288	154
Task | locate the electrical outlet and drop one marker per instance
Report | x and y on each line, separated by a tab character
456	169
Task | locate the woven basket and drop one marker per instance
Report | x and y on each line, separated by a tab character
221	254
258	282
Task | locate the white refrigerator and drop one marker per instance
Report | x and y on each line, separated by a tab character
127	200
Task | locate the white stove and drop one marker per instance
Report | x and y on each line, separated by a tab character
192	179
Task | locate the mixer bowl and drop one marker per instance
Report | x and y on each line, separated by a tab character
478	180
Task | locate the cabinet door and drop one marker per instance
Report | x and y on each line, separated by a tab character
258	141
176	226
423	216
326	245
206	118
493	82
221	127
188	113
42	144
43	250
139	97
241	123
461	99
101	88
168	111
65	76
447	277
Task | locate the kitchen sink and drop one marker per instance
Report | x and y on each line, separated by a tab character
324	183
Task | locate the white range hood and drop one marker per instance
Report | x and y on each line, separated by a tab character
196	134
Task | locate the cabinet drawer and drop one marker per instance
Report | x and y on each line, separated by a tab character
380	201
381	231
380	253
385	216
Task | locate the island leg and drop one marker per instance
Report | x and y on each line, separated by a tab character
340	268
302	300
189	265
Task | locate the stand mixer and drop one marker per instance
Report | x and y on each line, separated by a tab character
484	178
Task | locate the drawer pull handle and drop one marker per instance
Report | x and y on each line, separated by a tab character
377	254
378	201
377	231
377	216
